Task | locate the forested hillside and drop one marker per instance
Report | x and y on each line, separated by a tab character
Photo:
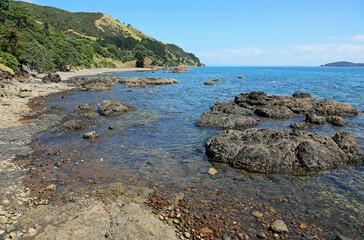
51	39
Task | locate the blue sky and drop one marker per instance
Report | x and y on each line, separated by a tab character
244	32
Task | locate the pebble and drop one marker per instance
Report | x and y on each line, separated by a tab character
341	237
257	214
212	171
12	235
58	164
32	231
279	226
92	134
187	235
261	235
9	228
176	221
51	187
1	232
3	220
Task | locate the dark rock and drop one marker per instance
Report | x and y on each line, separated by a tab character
230	107
217	80
274	112
146	81
261	235
221	120
337	121
328	107
84	109
201	150
313	118
110	108
301	95
300	126
94	84
52	77
76	124
341	237
270	151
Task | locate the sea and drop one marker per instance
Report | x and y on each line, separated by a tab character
156	146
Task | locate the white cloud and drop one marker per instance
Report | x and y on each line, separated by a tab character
357	38
294	55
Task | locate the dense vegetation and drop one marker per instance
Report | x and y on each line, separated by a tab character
51	39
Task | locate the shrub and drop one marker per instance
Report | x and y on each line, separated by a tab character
9	60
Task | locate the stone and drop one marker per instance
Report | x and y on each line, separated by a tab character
273	151
187	235
341	237
261	235
12	235
209	83
337	121
217	80
279	226
241	77
50	77
257	214
51	187
84	109
9	228
212	171
206	230
111	108
32	231
313	118
300	126
92	134
328	107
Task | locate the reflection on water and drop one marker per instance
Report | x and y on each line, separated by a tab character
158	141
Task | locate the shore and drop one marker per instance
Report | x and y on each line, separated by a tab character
115	211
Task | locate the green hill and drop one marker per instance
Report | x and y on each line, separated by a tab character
51	39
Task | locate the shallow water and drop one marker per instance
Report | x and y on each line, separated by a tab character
158	142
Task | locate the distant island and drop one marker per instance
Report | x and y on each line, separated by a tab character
343	64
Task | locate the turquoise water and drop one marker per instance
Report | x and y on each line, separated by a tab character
157	143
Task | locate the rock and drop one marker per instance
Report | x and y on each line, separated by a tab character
12	235
217	80
32	231
58	164
84	109
177	70
187	235
337	121
300	126
341	237
92	134
274	112
209	83
272	151
221	120
279	226
76	124
25	94
313	118
241	77
146	81
50	77
110	108
206	230
328	107
112	127
212	171
231	108
51	187
257	214
201	150
94	84
261	235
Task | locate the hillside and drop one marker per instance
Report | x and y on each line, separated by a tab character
50	39
343	64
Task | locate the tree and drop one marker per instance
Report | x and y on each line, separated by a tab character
4	8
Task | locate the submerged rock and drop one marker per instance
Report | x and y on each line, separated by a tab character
337	121
110	108
84	109
94	84
279	226
209	83
313	118
272	151
223	120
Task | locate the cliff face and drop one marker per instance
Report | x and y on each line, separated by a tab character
343	64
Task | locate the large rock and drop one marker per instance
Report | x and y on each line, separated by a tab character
328	107
52	77
223	120
271	151
111	108
146	81
95	84
313	118
337	121
84	109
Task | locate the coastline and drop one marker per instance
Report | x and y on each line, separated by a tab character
24	213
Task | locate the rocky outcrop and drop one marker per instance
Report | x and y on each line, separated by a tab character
272	151
52	77
328	107
178	70
111	108
94	84
337	121
84	109
227	115
209	83
313	118
146	81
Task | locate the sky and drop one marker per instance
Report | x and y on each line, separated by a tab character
244	32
